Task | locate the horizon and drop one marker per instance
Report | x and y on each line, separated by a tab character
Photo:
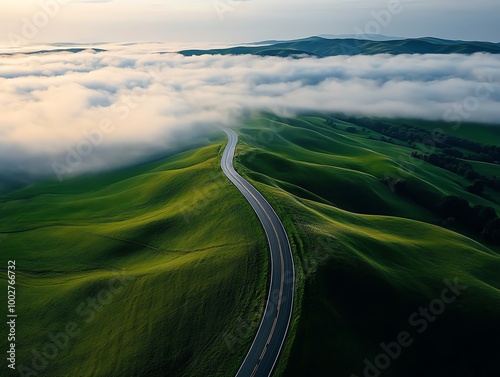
180	46
27	22
371	37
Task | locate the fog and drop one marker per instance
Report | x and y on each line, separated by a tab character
117	107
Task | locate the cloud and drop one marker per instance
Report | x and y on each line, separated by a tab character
90	110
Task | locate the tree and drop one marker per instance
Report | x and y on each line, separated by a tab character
480	216
491	231
471	174
456	207
477	187
400	186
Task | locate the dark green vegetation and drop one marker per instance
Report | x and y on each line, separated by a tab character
368	257
162	269
451	153
449	145
322	47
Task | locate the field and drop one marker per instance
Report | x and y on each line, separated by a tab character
158	270
368	258
161	269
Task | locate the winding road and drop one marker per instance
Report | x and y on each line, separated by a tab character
266	347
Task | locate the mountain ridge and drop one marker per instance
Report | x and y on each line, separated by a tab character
324	47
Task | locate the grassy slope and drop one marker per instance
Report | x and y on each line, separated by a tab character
190	250
321	47
367	259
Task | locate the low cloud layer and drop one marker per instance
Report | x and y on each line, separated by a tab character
131	103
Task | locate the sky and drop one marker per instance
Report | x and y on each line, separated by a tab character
234	21
65	114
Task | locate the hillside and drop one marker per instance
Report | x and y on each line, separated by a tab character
323	47
176	261
162	269
367	257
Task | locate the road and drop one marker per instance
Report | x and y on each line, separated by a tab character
266	347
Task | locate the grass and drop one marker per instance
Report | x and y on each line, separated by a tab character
188	253
367	258
177	261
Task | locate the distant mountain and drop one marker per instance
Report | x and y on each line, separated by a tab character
55	51
324	47
368	37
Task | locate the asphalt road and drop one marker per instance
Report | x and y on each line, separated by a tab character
266	347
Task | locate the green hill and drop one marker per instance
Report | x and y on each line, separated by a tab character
162	269
324	47
369	258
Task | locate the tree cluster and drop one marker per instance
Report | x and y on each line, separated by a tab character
460	167
480	219
485	153
455	211
330	122
412	135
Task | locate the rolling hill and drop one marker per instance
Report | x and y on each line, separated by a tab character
163	266
324	47
129	261
369	258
